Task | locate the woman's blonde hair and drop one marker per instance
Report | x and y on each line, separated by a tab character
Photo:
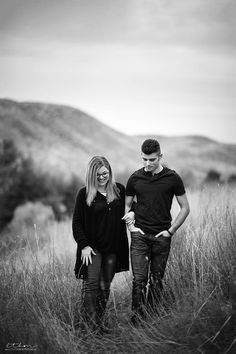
92	183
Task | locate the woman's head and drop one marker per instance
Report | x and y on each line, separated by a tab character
99	174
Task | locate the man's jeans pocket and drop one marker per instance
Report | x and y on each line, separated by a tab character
164	240
136	233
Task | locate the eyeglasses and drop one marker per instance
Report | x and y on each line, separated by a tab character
104	174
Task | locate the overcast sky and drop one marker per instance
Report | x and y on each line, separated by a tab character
141	66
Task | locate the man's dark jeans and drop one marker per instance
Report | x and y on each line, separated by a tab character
96	288
148	259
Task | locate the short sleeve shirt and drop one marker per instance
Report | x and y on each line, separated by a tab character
154	198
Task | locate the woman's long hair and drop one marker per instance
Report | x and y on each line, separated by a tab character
92	183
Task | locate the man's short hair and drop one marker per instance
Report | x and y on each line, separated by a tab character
149	146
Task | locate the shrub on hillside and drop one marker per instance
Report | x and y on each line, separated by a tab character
22	231
20	183
213	176
68	192
232	178
31	214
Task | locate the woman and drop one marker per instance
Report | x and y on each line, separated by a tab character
101	237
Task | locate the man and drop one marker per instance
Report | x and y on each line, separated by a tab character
153	187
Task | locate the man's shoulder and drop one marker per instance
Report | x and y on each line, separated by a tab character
175	180
170	172
137	173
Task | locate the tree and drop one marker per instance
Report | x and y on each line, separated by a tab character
232	178
18	181
213	177
10	160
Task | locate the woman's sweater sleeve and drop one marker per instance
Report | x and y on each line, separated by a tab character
78	220
122	192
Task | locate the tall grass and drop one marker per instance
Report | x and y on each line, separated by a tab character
40	297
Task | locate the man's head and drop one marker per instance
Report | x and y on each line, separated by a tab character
151	155
149	146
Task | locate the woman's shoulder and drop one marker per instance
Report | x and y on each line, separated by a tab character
121	188
81	193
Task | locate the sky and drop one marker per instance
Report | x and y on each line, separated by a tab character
163	67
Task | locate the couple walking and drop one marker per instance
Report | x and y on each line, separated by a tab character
99	228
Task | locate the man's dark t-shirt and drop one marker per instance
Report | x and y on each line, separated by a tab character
154	198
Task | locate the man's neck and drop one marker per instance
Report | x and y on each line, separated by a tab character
157	170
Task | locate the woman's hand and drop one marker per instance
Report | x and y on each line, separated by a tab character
86	255
129	218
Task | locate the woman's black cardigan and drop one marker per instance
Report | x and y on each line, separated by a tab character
81	225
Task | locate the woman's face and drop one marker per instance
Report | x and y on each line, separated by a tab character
102	176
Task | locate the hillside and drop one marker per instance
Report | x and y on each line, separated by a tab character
196	155
61	140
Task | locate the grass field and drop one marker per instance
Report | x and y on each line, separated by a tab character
40	297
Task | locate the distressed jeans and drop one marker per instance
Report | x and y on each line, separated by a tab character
96	287
148	259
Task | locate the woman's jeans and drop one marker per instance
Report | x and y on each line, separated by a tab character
148	259
96	287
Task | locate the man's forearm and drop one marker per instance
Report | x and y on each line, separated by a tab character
128	203
129	216
179	220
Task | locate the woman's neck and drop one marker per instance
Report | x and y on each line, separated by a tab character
102	189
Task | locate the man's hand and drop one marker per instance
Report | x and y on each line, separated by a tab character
164	233
86	255
129	218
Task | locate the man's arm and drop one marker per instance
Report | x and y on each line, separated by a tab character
130	215
183	213
128	202
180	218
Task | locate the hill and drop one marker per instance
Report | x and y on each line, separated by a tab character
196	155
62	139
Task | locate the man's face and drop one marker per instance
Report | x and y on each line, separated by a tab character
151	162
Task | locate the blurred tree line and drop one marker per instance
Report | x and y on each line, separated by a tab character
20	183
214	177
